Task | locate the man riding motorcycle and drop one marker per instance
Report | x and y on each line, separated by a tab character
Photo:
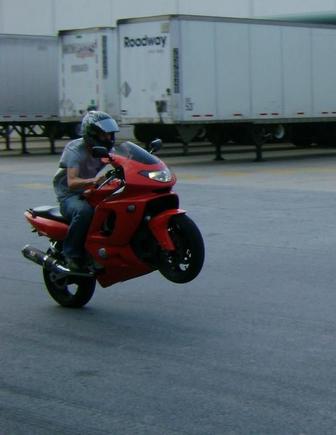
137	226
77	172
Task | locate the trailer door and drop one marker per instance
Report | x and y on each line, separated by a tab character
144	71
80	73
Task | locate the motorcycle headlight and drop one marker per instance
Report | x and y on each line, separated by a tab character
164	176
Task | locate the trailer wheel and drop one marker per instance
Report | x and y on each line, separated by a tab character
279	133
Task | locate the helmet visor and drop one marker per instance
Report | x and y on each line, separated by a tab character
107	125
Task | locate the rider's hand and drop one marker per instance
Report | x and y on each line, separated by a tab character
99	180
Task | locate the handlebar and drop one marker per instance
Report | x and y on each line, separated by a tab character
110	175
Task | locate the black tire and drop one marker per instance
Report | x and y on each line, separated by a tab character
186	262
70	292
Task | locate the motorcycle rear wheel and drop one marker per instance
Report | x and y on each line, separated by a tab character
70	292
186	261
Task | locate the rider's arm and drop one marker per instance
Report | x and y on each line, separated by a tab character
75	182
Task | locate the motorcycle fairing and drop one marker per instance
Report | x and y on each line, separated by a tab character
120	264
159	226
51	228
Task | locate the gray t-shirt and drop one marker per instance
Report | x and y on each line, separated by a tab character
75	155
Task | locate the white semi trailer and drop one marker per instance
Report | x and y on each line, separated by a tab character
88	72
28	91
237	79
48	83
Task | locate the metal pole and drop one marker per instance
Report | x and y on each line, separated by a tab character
7	137
51	136
23	140
218	152
259	157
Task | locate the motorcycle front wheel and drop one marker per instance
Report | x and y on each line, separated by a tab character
70	292
186	261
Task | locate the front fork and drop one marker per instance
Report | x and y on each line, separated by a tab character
159	227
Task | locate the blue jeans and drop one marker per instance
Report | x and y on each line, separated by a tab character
79	213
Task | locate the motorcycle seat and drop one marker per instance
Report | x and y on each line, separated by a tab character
49	212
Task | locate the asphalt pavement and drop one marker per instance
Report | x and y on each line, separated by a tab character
248	347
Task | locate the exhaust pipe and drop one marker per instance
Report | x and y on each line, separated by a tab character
37	256
47	261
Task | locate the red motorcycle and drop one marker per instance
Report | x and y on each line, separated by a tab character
137	228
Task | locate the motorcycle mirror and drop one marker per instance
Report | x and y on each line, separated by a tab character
155	145
99	152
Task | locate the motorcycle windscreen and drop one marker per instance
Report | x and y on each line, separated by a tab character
134	152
